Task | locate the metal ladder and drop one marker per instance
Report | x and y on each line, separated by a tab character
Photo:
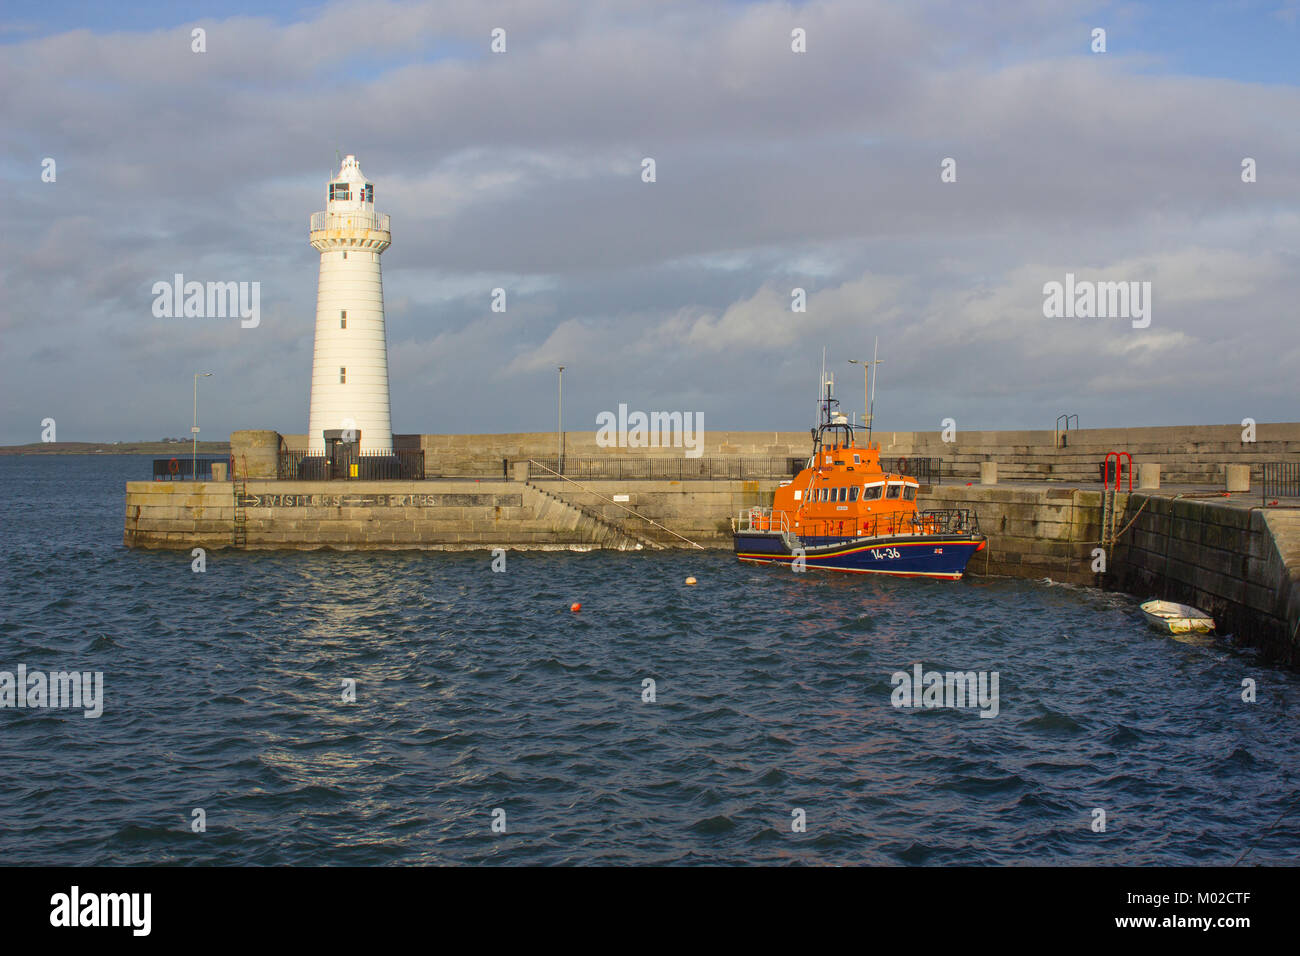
1108	517
1109	495
239	528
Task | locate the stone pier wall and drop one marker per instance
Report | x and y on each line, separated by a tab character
1239	562
432	515
1032	532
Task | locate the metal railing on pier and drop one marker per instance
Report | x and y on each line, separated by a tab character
928	471
620	468
1281	479
401	465
184	468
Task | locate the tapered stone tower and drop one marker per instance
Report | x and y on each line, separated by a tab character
349	376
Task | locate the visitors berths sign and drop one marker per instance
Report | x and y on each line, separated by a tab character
378	501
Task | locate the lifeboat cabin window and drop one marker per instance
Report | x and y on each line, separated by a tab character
893	491
909	493
339	191
853	493
857	459
871	493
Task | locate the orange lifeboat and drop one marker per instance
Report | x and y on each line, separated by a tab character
844	512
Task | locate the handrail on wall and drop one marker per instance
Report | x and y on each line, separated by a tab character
1119	469
1056	441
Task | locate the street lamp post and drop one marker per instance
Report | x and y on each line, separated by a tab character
194	429
559	426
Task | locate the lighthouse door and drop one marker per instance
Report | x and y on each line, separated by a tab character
341	456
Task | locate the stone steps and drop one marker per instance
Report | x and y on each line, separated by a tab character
551	507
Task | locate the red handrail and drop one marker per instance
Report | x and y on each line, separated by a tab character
1119	469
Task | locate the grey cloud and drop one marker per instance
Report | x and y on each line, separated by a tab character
775	170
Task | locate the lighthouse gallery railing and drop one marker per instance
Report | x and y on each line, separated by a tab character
349	220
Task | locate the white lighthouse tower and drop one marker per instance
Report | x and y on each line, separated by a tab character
349	376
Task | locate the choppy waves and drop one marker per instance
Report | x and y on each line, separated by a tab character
478	691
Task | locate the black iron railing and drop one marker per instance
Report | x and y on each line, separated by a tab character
344	465
666	469
1281	480
925	470
184	468
928	471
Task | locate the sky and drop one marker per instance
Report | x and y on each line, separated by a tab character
775	170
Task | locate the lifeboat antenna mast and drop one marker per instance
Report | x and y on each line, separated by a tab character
821	388
871	399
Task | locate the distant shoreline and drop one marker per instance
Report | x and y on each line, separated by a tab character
174	449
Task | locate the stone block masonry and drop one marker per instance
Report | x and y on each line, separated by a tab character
1186	454
1033	532
397	515
1228	556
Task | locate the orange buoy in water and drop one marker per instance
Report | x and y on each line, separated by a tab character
575	607
690	580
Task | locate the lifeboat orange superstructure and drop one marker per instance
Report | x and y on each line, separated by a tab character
844	492
844	512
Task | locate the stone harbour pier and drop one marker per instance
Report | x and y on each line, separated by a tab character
1198	525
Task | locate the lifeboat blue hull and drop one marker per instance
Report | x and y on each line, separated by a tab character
928	556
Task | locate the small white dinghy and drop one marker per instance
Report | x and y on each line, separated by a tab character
1170	618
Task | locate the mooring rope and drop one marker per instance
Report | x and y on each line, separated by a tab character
1196	494
617	505
1114	539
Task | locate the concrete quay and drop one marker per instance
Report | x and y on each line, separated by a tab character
1185	541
